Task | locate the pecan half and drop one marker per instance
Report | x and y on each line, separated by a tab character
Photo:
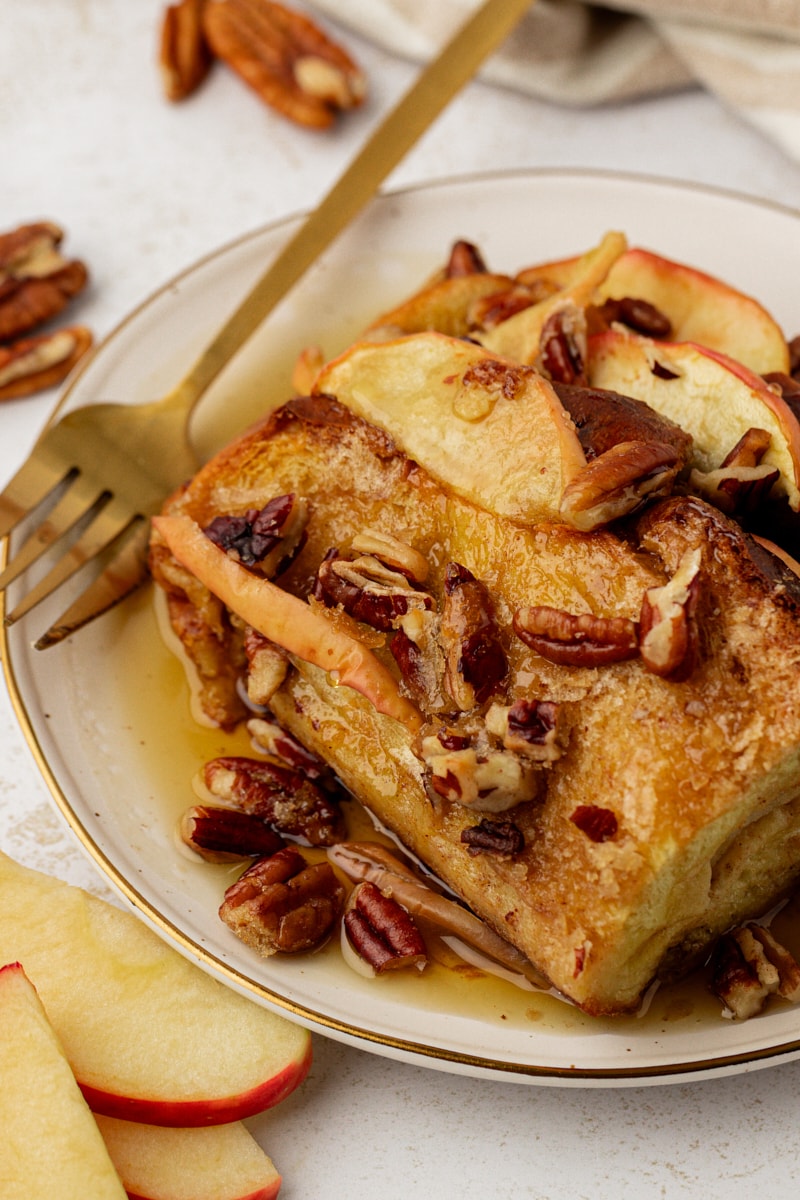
268	538
31	364
576	639
382	932
370	589
668	634
618	482
528	727
283	797
417	650
184	56
475	661
368	860
36	280
501	838
286	58
227	835
283	904
267	667
748	966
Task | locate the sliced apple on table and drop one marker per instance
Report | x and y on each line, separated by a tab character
490	430
149	1036
50	1146
221	1162
700	309
711	396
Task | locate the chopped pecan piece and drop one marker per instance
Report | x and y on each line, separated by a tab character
742	481
562	345
283	904
286	58
184	56
475	661
528	727
576	639
618	482
493	782
36	280
268	538
394	553
501	838
748	966
283	797
599	824
417	650
668	634
465	259
227	835
274	739
31	364
382	932
368	588
637	314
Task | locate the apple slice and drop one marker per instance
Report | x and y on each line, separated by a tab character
50	1145
701	309
149	1036
222	1162
520	336
712	397
285	619
490	430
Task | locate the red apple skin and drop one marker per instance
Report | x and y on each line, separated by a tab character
185	1114
269	1193
223	1163
612	341
285	619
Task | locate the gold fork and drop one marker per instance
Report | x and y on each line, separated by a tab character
106	468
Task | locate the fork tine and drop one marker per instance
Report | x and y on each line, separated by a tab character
77	502
33	482
123	575
112	520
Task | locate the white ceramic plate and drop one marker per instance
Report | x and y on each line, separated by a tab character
106	712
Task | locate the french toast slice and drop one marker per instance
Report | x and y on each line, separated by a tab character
652	810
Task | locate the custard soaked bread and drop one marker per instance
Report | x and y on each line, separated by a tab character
579	713
492	568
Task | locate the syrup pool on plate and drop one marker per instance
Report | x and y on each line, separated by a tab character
176	745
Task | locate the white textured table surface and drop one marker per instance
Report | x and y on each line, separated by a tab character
144	189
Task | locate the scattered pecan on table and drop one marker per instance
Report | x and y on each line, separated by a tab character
288	61
37	282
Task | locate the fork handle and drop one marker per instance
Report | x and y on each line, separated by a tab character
461	57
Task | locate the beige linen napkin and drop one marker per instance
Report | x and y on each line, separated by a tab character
745	51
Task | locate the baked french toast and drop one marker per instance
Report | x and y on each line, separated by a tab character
572	702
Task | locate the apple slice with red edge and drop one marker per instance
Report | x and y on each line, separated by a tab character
712	397
285	619
149	1036
476	422
221	1162
50	1145
701	309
